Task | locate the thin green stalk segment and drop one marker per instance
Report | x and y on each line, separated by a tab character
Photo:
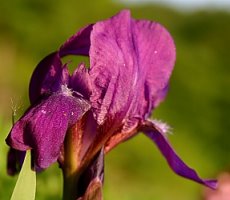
70	169
25	187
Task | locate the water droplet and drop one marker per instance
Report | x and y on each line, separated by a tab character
72	113
155	52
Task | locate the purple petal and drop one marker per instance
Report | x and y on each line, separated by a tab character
47	77
15	160
156	54
177	165
48	73
44	126
80	81
78	44
131	62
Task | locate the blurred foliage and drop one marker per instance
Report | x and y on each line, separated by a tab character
197	106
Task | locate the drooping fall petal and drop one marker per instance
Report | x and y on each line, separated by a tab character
176	164
44	126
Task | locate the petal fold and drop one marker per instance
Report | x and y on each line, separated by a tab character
175	163
44	126
80	81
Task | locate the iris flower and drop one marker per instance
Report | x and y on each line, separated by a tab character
76	119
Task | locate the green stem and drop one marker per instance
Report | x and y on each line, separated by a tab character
70	186
70	167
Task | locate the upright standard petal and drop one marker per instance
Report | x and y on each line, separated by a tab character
176	164
47	77
78	44
49	73
80	81
125	55
44	126
131	62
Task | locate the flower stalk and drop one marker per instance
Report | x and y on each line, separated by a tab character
70	185
70	165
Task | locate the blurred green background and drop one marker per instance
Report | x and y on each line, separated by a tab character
197	106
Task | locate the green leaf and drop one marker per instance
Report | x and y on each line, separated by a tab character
25	187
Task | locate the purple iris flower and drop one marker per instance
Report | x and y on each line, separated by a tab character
76	119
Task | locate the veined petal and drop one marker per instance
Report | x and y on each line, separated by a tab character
131	62
176	164
78	44
44	126
47	77
156	57
80	81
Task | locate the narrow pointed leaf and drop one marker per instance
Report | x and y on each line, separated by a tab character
26	184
